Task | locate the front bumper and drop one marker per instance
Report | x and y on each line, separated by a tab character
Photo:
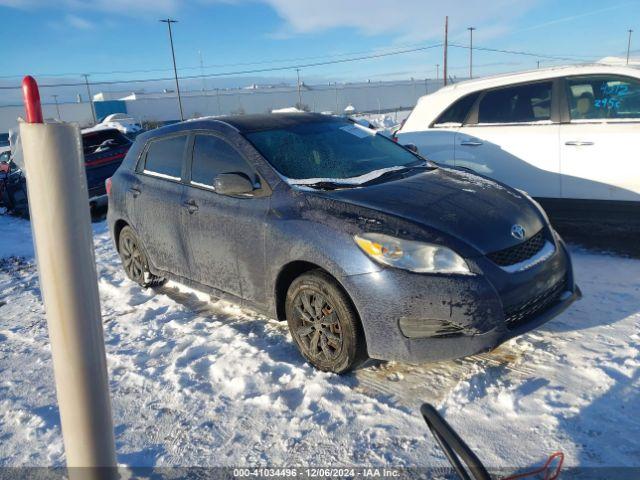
473	309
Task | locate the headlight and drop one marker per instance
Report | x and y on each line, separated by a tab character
410	255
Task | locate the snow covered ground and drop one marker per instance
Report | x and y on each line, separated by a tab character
196	382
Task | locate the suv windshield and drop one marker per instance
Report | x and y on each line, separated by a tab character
330	151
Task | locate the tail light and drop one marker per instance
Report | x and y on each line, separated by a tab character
107	186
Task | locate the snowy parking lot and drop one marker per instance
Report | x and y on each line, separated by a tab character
196	382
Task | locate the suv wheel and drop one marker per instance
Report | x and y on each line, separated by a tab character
324	324
134	260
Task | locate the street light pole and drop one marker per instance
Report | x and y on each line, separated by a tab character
446	47
299	92
471	29
169	21
55	99
629	45
93	112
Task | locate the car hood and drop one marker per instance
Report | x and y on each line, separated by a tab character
470	208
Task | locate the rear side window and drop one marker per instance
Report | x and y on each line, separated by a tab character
603	97
164	157
519	104
212	156
457	113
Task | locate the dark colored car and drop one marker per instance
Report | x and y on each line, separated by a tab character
103	151
365	248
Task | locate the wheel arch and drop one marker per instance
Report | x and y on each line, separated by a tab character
117	228
292	270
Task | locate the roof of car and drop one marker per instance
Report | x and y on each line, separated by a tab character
272	121
241	123
538	74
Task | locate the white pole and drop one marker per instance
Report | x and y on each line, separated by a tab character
62	234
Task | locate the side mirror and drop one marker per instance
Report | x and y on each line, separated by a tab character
232	184
412	147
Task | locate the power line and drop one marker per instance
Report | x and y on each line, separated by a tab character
568	58
309	65
200	66
238	72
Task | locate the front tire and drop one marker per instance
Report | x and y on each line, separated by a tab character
134	260
324	324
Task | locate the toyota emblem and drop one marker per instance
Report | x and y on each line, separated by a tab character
517	231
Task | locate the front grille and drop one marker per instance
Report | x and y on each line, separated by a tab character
523	312
518	253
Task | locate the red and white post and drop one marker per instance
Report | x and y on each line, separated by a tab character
62	233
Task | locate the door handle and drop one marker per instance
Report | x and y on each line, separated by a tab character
576	143
135	191
471	143
191	206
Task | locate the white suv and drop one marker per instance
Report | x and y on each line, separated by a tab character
562	133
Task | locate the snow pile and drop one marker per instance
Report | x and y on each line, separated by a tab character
196	382
287	110
385	122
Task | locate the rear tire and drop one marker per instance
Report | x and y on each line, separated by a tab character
324	324
134	260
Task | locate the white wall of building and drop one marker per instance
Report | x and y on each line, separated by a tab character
364	97
369	97
69	112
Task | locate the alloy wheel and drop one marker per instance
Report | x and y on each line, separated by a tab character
132	258
318	330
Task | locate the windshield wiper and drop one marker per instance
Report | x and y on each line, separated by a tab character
327	185
392	173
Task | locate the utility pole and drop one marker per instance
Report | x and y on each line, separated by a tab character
337	107
299	92
629	45
204	81
55	99
446	44
437	72
93	112
538	63
471	29
169	21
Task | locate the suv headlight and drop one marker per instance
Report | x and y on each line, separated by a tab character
410	255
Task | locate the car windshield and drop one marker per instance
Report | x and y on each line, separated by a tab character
332	151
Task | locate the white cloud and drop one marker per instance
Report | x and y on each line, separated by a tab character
406	21
78	22
409	20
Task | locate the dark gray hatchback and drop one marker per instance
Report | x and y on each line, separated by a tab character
365	248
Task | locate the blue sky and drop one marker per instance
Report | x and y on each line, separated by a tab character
69	37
